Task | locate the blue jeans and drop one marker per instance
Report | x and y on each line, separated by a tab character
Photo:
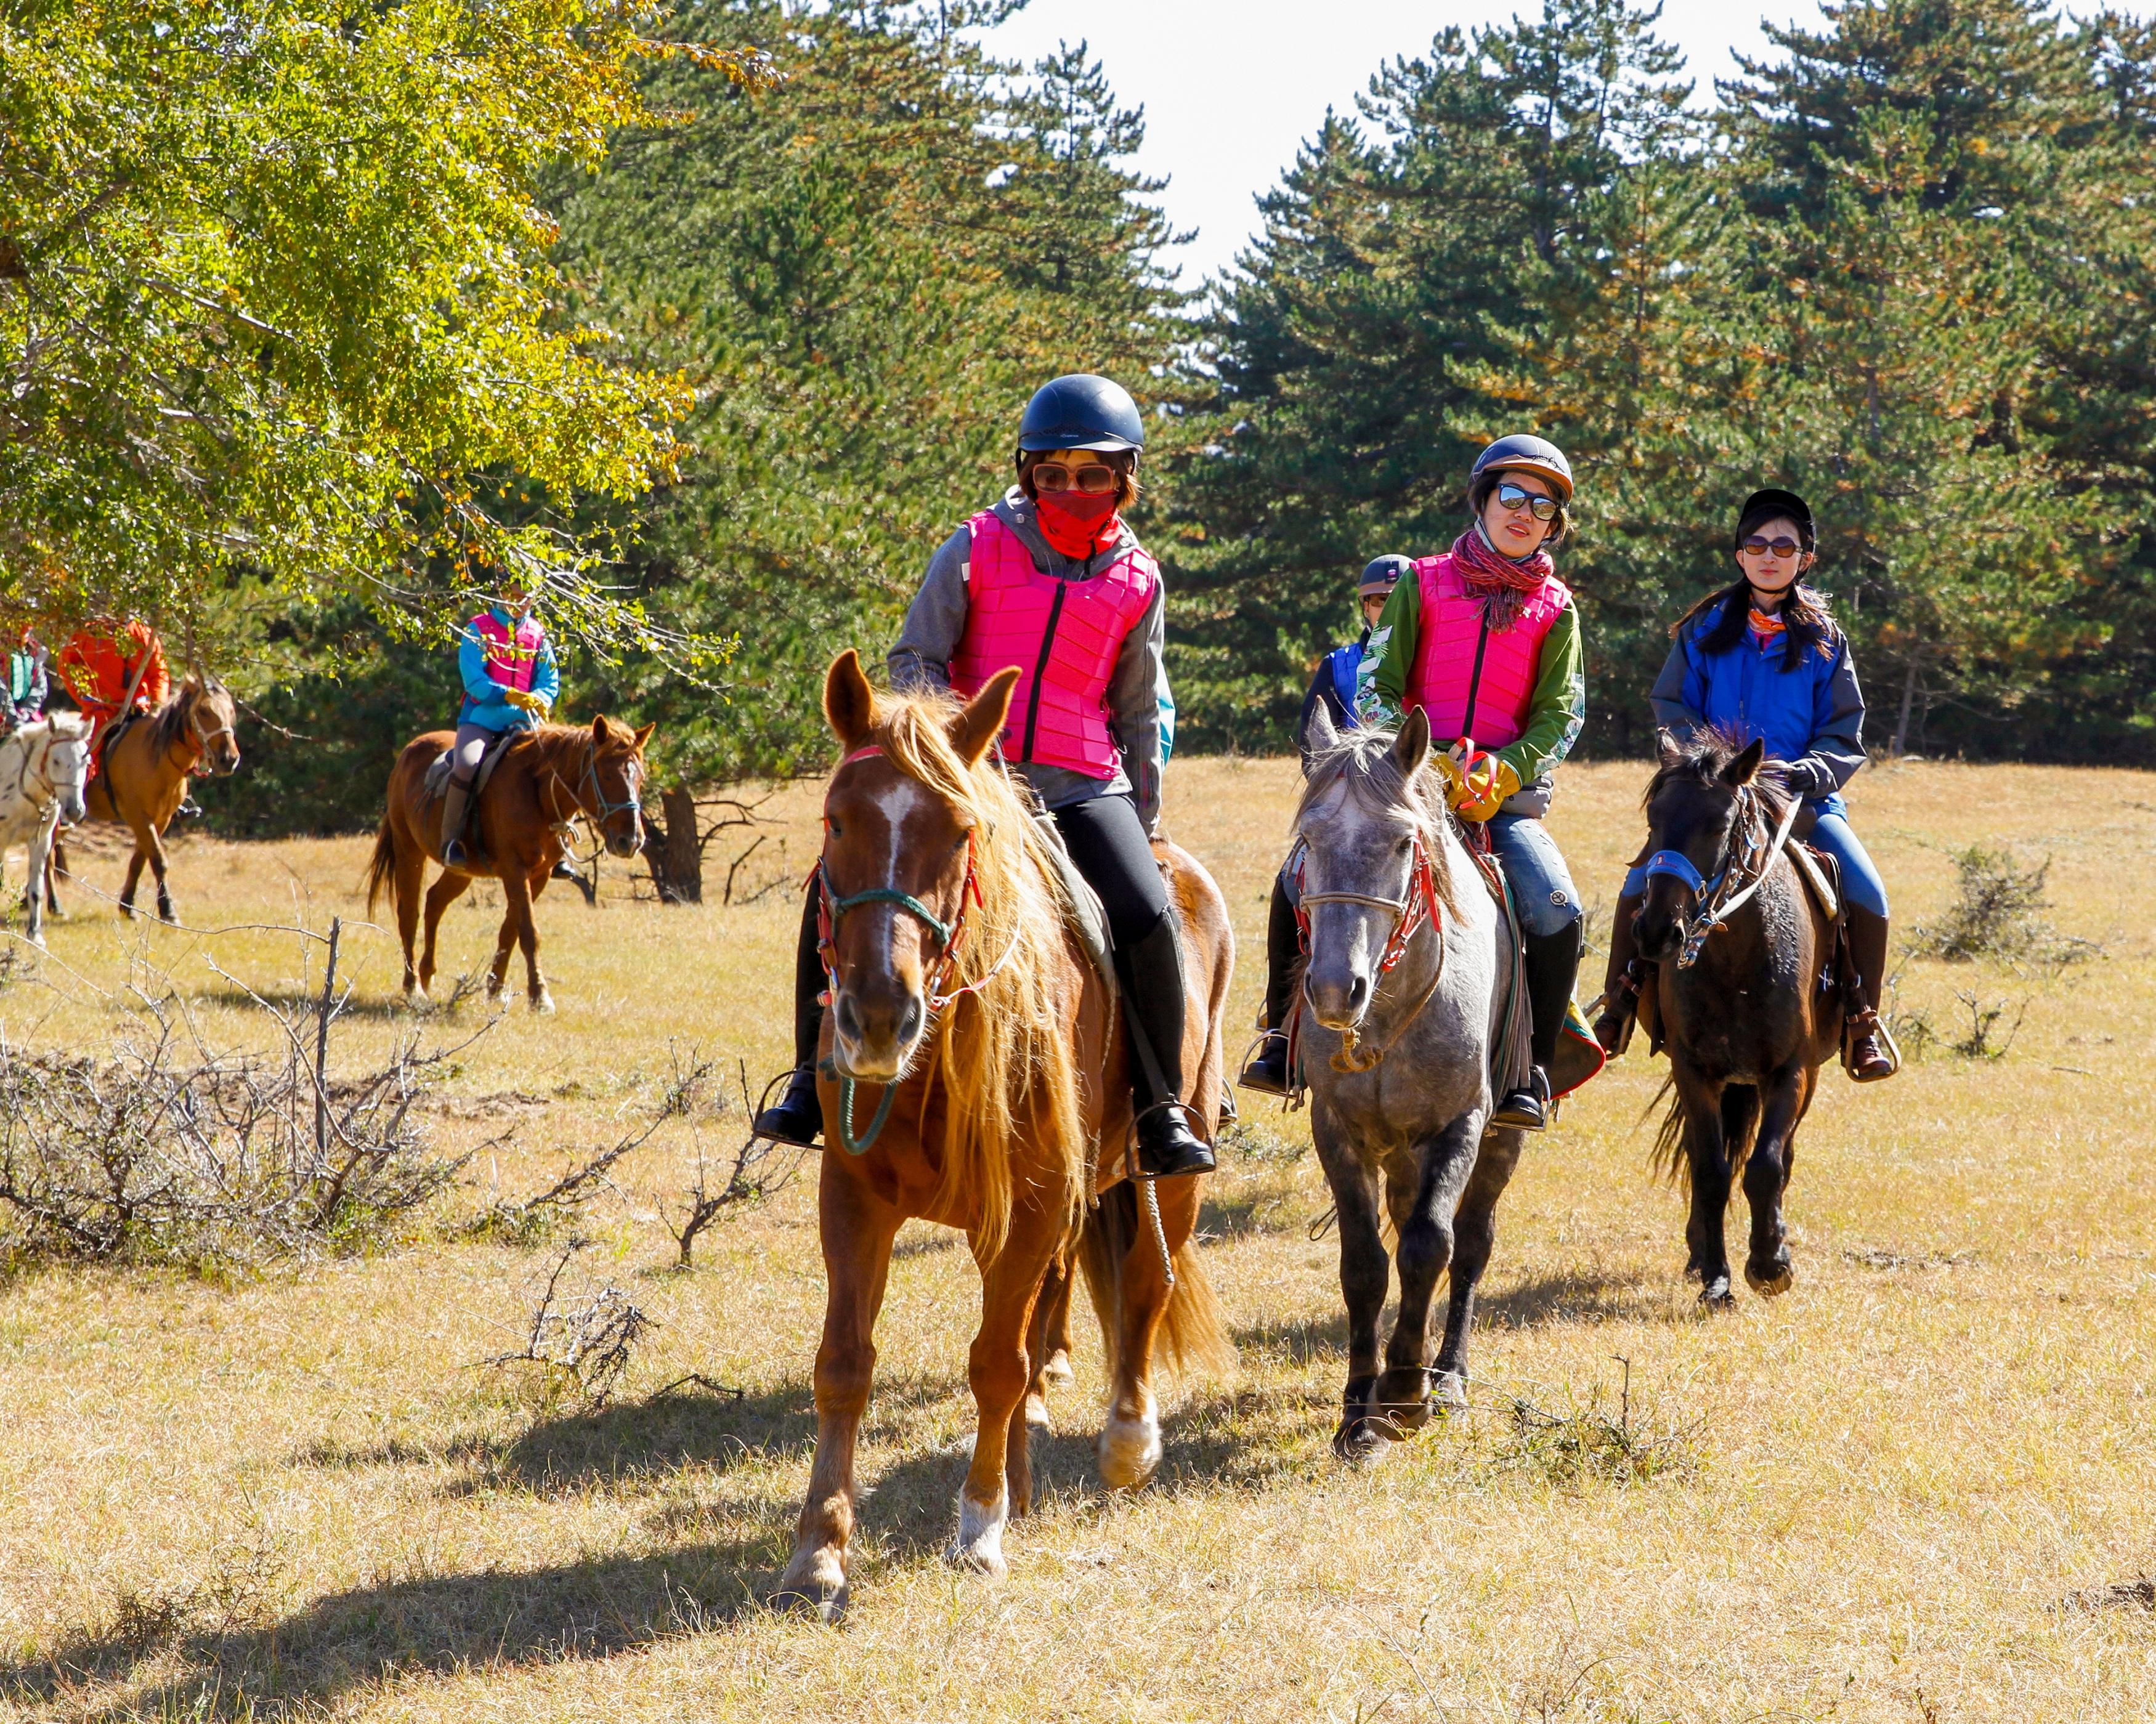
1543	891
1860	883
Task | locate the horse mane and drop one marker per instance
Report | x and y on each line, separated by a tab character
1010	1044
169	723
1700	759
1364	758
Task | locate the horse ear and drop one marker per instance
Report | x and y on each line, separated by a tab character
1411	748
1668	747
849	701
981	719
1323	734
643	735
1743	770
599	730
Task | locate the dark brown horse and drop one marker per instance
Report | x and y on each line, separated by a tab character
974	1076
548	777
1743	999
142	778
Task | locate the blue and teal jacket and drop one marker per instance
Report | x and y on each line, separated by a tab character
484	705
1810	716
1332	688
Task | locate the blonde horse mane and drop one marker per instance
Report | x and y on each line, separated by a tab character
1005	1055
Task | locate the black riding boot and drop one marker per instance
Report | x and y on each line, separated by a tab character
1267	1072
1620	987
797	1116
1150	972
1552	965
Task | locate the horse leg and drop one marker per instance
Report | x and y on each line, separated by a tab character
1129	1438
1474	1232
54	868
516	904
856	1228
1365	1273
527	937
34	900
440	896
133	879
1767	1177
147	837
1048	1344
1706	1159
1425	1219
999	1483
410	875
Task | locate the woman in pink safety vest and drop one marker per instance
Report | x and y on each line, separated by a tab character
507	665
1048	579
1485	640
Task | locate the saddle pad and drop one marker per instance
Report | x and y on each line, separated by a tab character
1511	1050
1088	917
436	783
1812	873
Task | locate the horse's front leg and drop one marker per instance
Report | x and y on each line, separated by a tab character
55	866
1129	1438
1365	1274
1048	1346
34	899
1706	1160
516	908
1767	1177
1474	1234
856	1228
1423	1214
527	937
148	840
999	1482
133	879
446	891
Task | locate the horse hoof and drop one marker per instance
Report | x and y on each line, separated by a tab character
814	1584
1778	1281
1716	1294
1362	1441
1057	1373
542	1002
979	1547
1036	1412
1130	1452
415	995
1448	1393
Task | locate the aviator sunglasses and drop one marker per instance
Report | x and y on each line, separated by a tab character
1780	547
1093	481
1518	496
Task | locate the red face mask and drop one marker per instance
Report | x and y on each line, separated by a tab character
1079	525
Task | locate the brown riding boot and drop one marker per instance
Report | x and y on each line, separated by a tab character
1620	985
1868	1051
456	802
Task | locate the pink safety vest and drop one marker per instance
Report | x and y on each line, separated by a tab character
1457	660
1012	607
511	659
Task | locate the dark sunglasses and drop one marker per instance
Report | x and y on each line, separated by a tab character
1518	496
1093	481
1781	547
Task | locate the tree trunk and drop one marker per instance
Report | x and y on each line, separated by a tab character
674	851
1908	700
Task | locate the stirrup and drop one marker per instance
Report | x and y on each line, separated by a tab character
1202	1162
1869	1023
1255	1075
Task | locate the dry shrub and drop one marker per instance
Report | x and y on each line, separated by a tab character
1998	913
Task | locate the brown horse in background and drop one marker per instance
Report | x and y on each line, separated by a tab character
993	1098
547	776
142	778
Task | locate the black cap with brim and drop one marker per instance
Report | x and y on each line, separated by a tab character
1381	574
1767	505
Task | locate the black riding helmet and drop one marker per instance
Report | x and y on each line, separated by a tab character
1080	411
1763	507
1381	574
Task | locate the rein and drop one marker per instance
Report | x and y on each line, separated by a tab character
1722	897
1417	905
950	936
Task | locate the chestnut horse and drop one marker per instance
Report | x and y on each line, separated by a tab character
142	778
548	777
993	1098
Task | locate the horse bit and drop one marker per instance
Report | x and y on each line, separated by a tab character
1719	899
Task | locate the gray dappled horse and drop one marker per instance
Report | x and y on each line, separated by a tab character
1401	1008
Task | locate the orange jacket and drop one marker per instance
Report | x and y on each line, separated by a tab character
97	675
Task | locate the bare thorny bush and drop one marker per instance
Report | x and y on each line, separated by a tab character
173	1151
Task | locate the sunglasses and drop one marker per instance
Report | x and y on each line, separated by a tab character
1093	481
1780	547
1518	496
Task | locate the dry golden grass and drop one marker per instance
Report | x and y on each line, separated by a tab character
1899	1493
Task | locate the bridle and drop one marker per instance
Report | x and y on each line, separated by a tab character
1417	904
43	756
950	936
589	779
1747	858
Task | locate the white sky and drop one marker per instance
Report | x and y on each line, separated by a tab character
1231	87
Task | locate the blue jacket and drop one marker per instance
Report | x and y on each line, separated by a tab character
484	705
1811	717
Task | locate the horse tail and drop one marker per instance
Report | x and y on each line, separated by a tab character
1194	1329
382	868
1740	1131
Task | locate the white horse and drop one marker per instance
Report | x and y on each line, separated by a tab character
43	769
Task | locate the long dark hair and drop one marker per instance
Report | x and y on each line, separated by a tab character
1803	613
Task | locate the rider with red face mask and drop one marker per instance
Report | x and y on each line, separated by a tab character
1051	580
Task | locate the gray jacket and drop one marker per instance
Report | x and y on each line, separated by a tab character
936	622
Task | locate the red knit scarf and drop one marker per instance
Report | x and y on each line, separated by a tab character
1502	582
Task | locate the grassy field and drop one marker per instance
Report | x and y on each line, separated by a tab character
1907	1491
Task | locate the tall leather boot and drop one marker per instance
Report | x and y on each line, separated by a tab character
1267	1072
1552	965
1151	971
1620	987
456	804
797	1116
1868	1050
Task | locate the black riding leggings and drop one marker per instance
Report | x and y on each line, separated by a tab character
1108	842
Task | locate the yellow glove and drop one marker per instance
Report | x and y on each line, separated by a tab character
526	701
1486	788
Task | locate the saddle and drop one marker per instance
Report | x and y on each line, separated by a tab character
436	783
113	732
